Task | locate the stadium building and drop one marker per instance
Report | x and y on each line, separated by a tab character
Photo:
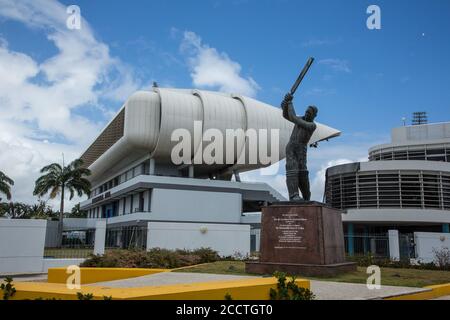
405	185
136	185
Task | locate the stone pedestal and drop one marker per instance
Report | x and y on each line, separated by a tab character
302	239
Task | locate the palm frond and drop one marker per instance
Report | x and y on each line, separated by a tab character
54	167
5	185
70	177
5	189
6	179
55	191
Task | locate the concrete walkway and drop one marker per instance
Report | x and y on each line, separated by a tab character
443	298
32	277
327	290
324	290
167	278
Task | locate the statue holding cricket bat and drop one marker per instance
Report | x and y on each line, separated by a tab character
297	177
300	236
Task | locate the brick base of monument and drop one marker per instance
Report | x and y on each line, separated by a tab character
302	239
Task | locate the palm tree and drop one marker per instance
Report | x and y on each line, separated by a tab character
41	210
5	185
76	212
57	179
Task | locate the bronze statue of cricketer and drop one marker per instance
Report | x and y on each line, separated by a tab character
297	176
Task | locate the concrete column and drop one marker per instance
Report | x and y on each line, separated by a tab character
366	240
351	243
258	239
394	245
446	228
152	166
100	237
148	247
191	171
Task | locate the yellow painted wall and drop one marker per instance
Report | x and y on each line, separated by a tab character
246	289
92	275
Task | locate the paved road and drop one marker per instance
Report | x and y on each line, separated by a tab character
443	298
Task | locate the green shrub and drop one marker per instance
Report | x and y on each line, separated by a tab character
206	255
289	290
87	296
8	288
369	259
154	258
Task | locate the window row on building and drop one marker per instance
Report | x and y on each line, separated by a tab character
137	202
441	153
389	189
142	168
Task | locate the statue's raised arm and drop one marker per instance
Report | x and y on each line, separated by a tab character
289	114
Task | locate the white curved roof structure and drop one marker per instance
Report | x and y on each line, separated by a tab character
146	121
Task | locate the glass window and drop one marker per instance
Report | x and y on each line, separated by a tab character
435	151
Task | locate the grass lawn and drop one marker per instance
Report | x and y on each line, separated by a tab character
389	276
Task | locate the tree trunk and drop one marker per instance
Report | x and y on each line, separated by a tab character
61	217
11	210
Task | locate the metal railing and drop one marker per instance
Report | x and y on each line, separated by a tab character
129	237
376	245
74	244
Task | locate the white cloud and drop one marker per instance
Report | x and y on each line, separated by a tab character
276	181
213	69
21	158
337	65
40	101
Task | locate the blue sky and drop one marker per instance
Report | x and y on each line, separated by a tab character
392	72
363	81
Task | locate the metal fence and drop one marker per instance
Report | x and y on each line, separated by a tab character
74	244
407	246
129	237
376	245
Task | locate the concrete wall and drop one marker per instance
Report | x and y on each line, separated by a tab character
78	224
168	204
227	239
422	132
427	241
397	216
51	234
21	245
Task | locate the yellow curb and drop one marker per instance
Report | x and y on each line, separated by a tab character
434	292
